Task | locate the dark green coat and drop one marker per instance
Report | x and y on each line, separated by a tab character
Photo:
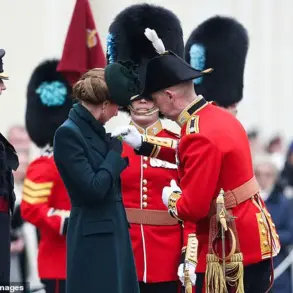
99	252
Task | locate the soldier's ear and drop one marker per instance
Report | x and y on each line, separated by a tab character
170	94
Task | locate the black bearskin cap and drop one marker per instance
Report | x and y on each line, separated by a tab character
222	44
127	41
48	102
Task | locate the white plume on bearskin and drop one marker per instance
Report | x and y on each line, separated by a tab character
156	41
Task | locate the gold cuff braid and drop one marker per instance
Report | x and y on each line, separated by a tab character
160	141
191	249
172	201
190	258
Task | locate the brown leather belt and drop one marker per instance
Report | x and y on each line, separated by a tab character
4	205
238	195
150	217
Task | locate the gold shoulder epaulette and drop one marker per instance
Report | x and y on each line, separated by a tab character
192	125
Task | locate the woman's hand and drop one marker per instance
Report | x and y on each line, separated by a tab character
114	143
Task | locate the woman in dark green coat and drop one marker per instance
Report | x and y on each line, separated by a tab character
99	253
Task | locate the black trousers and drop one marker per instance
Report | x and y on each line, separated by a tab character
4	248
256	278
54	285
164	287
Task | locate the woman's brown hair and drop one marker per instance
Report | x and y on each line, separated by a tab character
91	87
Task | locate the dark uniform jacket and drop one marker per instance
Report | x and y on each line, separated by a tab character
99	253
8	162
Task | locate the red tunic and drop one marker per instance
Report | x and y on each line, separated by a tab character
157	249
214	153
46	205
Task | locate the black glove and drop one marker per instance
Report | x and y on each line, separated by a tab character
114	143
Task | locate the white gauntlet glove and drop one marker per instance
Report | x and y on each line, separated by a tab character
129	134
168	190
192	275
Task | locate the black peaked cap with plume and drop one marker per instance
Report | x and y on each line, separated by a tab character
127	41
221	43
48	102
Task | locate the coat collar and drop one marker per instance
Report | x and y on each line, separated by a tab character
86	121
152	130
191	109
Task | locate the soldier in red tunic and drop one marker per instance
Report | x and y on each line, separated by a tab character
45	201
218	191
157	238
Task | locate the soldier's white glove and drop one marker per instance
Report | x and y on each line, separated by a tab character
192	275
168	190
129	134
